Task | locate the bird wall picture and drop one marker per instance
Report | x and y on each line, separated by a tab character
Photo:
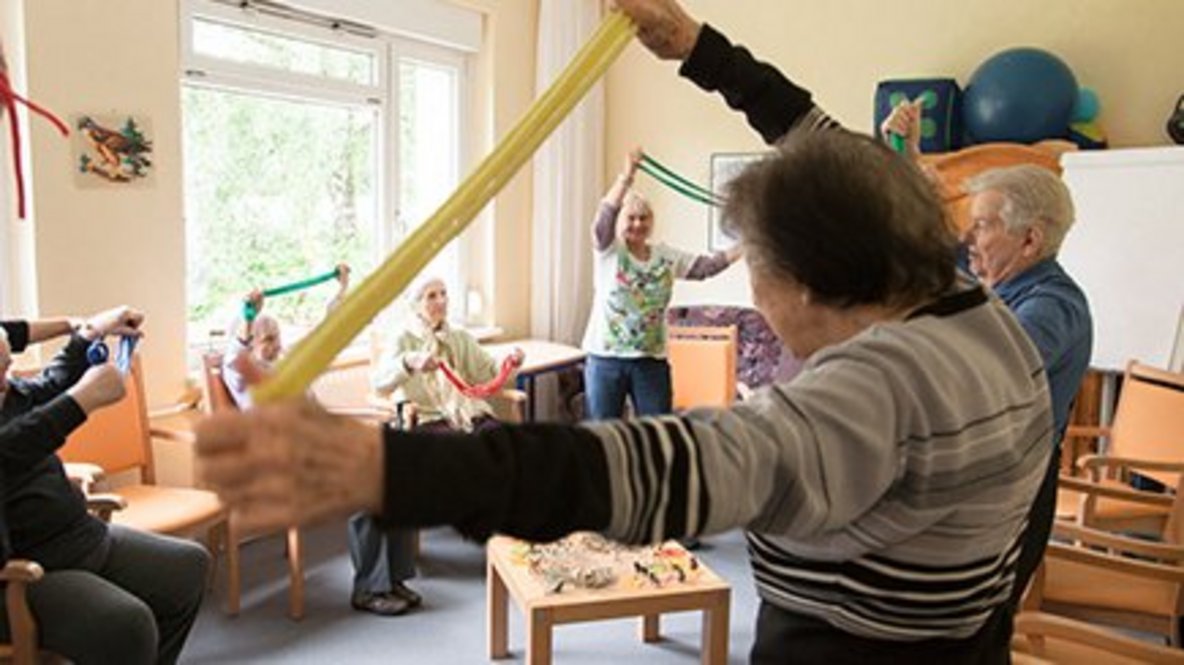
113	148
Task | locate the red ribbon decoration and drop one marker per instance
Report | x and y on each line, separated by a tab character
9	98
483	390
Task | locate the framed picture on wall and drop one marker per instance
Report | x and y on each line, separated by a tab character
113	149
724	167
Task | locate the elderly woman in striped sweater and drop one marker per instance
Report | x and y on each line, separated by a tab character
884	490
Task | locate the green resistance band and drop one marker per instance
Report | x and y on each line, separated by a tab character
249	311
674	181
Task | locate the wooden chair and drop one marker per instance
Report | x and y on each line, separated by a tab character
702	365
217	399
1146	436
119	439
23	647
1046	638
17	575
1102	577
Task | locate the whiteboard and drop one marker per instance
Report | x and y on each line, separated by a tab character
1127	249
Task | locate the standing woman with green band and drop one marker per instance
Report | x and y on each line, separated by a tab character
634	281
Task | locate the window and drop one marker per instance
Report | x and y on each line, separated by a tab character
305	147
244	45
429	152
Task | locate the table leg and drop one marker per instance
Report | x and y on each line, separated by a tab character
295	575
651	628
530	398
538	637
715	630
496	601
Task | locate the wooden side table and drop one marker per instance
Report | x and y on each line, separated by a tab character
543	611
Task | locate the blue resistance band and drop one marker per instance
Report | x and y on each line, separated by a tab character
98	353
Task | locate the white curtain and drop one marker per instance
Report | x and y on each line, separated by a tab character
567	188
7	205
17	287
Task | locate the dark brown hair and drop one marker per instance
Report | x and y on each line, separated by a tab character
843	215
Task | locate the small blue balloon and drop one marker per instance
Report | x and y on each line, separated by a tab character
1087	107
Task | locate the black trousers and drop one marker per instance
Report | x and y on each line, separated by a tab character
786	637
1040	518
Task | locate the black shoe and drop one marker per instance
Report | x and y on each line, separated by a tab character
383	604
400	590
690	543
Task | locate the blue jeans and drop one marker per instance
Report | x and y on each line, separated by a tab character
607	381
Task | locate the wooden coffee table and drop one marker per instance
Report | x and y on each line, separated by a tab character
542	611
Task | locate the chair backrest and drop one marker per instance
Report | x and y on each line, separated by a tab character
702	365
1149	419
116	437
218	397
954	168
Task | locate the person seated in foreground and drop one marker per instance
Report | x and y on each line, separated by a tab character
884	490
111	594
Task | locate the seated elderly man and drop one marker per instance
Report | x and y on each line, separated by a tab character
110	594
383	559
1018	218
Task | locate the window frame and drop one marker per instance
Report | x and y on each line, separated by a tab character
386	49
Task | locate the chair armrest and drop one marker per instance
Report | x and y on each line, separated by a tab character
21	570
1034	625
84	475
1097	538
370	414
189	403
1131	494
104	504
513	395
174	435
515	404
1086	431
1092	462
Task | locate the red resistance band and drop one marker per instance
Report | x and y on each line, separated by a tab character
9	99
483	390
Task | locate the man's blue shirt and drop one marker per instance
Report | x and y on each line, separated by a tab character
1053	310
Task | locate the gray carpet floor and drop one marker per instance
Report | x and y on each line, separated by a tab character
449	628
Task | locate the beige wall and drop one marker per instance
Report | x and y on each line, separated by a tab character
96	248
100	247
1129	51
506	71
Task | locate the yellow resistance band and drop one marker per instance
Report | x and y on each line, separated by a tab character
314	353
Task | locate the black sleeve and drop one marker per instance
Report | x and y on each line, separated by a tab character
536	482
62	372
771	102
30	437
18	334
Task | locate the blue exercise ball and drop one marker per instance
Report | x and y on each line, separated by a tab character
1022	94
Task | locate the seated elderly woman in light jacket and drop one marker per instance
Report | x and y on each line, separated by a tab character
411	372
